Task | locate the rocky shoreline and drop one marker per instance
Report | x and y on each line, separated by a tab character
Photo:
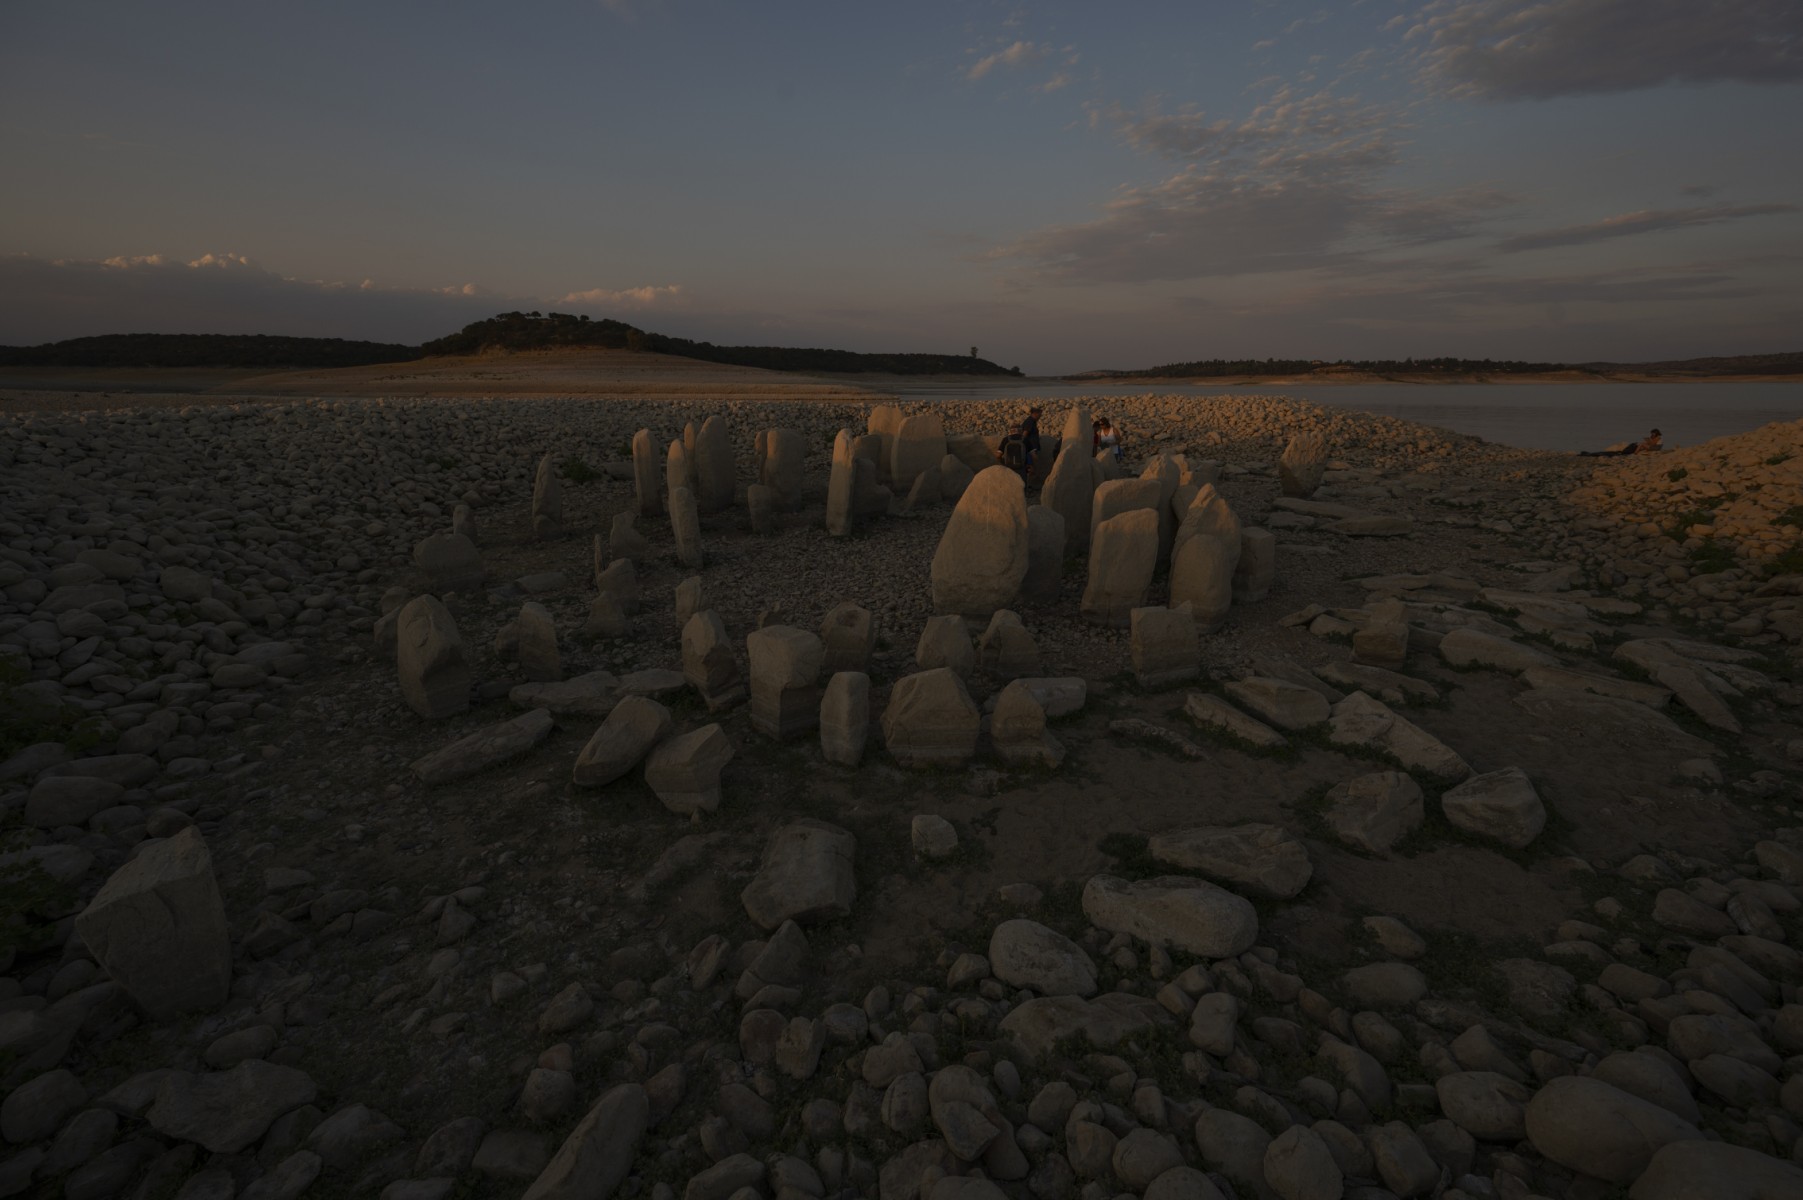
1460	857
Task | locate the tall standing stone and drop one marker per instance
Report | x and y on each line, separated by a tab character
785	462
1206	557
713	466
676	469
1077	434
158	928
646	485
624	539
708	663
849	636
430	659
760	509
1303	463
1163	471
919	445
1122	558
1257	569
841	514
954	477
547	501
689	599
845	718
982	555
1045	555
885	422
785	679
685	524
1070	491
1118	496
539	657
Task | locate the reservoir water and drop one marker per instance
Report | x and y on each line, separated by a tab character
1538	416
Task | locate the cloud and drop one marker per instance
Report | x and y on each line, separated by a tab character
1288	117
1017	55
1631	224
1509	50
45	300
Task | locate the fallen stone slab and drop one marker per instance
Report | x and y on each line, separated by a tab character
1371	526
1600	685
1173	911
1359	720
1608	721
1475	648
1317	508
635	725
1375	811
1209	710
1135	729
685	770
1023	953
1687	685
226	1111
1283	704
484	749
1363	677
1264	858
806	876
590	695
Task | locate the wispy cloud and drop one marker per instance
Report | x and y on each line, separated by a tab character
638	297
1017	55
1509	50
1635	223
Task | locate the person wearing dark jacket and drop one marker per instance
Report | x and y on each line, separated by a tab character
1029	429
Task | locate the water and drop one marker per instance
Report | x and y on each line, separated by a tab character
1537	416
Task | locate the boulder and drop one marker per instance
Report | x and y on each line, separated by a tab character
1585	1125
931	720
982	555
227	1111
157	927
430	659
1500	805
1006	650
848	637
1698	1170
1358	720
1303	463
685	770
483	749
450	560
1375	811
1263	858
845	718
806	876
595	1159
945	642
1017	729
785	680
1026	954
1040	1025
1173	911
1284	704
635	725
1164	647
1123	553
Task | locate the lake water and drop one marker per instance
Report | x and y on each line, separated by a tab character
1538	416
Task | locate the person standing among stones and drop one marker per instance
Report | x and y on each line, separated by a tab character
1029	429
1108	438
1012	453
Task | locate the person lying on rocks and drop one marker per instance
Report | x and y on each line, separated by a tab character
1652	442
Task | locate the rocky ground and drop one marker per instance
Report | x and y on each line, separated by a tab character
1470	865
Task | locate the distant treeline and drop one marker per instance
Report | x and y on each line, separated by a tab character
535	331
1744	364
204	350
1748	364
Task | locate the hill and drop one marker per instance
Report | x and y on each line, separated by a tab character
1429	369
204	350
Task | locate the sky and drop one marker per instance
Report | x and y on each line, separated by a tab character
1065	186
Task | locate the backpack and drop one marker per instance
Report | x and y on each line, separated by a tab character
1014	454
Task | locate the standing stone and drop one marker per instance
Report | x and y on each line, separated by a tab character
547	501
685	770
1077	433
841	514
158	928
1206	556
931	721
1166	650
676	469
785	677
713	466
539	657
1257	569
945	642
1118	496
1107	470
429	656
885	422
451	563
693	482
982	555
918	446
1070	489
1122	556
708	663
625	541
636	724
606	619
620	581
760	508
689	600
646	486
1017	729
785	453
849	636
463	522
1164	471
869	498
1045	555
845	718
1006	650
954	478
685	523
1303	463
924	491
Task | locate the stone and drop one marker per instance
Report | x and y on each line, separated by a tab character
484	749
606	619
931	721
1214	1023
685	525
1475	648
760	509
954	478
547	501
635	725
158	928
845	718
619	580
982	555
806	876
590	695
685	770
1037	1026
1069	491
1017	729
712	464
595	1159
708	663
57	800
1500	805
841	507
1586	1125
785	461
1205	558
1256	572
1697	1170
1123	553
450	560
1007	650
430	660
1215	713
785	680
463	521
37	1108
624	541
227	1111
1045	556
1381	644
1373	812
848	636
945	642
1402	1162
1283	704
918	445
1267	859
1384	985
932	836
1485	1104
1024	953
1299	1166
1359	720
1302	464
1173	911
539	657
1164	647
1235	1146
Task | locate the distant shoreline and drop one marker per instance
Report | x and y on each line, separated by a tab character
1360	378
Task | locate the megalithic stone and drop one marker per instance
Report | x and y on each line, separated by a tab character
648	488
430	659
713	466
547	501
982	555
841	513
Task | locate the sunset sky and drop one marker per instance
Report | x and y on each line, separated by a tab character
1063	185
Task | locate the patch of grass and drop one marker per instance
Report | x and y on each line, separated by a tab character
1792	516
577	471
1676	474
1777	459
1711	557
1788	563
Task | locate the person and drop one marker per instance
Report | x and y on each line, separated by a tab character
1649	444
1013	451
1108	438
1029	430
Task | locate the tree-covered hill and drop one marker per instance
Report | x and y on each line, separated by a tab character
204	350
